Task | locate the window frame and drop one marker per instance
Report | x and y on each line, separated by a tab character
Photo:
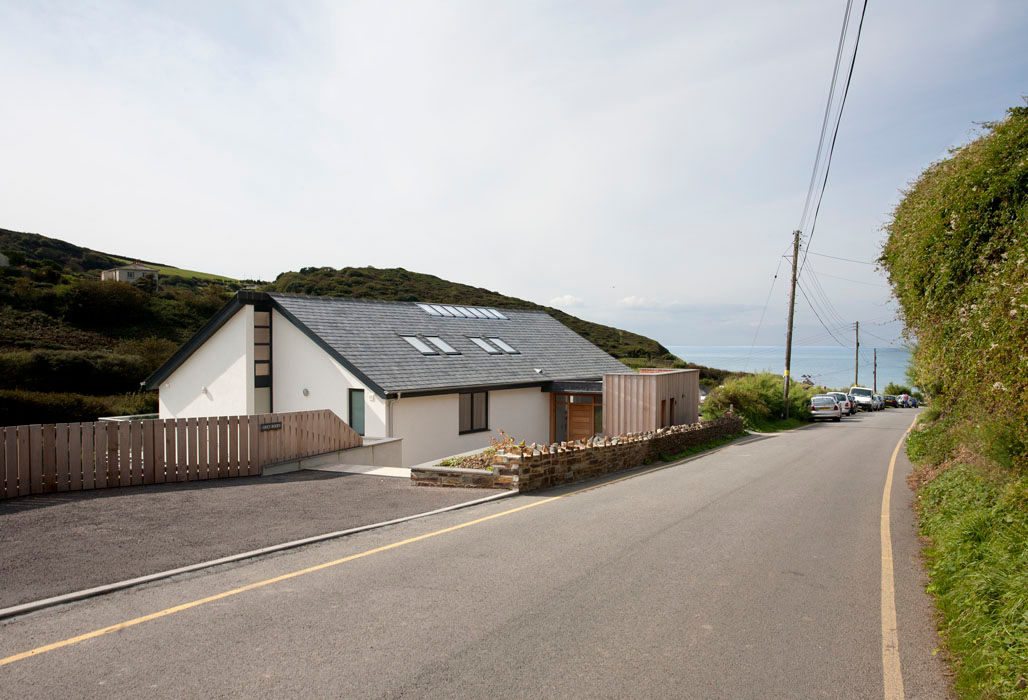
473	429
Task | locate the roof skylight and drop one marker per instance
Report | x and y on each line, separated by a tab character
429	310
496	313
503	346
441	344
419	345
441	309
485	346
451	311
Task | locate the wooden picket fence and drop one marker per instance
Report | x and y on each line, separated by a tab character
106	454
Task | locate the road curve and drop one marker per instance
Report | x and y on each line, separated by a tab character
752	572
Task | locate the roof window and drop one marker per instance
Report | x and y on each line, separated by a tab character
419	345
441	344
503	346
485	346
429	310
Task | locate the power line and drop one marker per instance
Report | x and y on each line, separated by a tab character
766	302
836	257
816	315
828	110
847	279
835	134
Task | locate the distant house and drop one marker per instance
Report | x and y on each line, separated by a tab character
444	378
129	273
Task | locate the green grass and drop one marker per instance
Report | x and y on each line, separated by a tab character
978	566
758	400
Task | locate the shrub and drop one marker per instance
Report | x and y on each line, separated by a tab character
103	304
84	372
28	407
758	399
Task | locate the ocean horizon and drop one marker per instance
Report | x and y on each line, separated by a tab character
831	366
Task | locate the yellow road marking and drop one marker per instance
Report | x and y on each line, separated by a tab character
302	572
892	673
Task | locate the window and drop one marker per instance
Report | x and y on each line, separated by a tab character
485	346
419	345
442	311
497	314
473	412
441	344
429	310
262	351
503	346
357	410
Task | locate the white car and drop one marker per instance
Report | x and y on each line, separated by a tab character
864	397
844	402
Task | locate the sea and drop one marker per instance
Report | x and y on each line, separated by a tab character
831	366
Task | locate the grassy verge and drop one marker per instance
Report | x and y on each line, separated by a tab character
974	514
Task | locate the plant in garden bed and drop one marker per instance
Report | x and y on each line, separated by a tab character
484	459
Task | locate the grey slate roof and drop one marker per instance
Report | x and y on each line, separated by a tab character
366	334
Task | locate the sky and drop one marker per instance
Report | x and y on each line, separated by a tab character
639	164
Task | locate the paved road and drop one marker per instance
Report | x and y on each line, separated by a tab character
57	543
753	572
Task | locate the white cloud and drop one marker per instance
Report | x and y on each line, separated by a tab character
566	301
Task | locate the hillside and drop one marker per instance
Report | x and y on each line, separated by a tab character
397	284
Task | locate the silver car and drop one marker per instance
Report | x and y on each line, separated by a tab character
845	402
824	406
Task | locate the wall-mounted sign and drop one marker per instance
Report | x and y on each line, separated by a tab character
277	425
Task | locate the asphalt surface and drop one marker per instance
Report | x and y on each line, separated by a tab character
752	572
59	543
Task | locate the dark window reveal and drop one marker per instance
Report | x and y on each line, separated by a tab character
473	412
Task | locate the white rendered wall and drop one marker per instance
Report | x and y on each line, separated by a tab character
223	366
429	424
297	363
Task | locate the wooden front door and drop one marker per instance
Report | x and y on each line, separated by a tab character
580	421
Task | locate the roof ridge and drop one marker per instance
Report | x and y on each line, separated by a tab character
363	300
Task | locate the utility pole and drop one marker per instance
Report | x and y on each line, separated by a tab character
792	313
874	388
856	358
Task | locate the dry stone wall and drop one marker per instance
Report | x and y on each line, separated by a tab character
542	466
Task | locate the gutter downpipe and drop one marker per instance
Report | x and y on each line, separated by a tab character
389	414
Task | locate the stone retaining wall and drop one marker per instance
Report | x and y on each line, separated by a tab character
542	466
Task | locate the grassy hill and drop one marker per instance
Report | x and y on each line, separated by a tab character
74	348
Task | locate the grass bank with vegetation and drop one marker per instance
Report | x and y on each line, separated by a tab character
758	399
957	259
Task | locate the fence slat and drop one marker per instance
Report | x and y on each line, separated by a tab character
62	463
8	481
223	470
253	452
170	456
35	455
136	454
100	452
202	452
158	452
113	466
49	458
88	456
24	467
191	466
233	445
148	452
181	455
124	453
75	456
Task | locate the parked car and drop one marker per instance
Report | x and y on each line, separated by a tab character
879	402
863	398
824	406
845	402
903	400
890	401
913	402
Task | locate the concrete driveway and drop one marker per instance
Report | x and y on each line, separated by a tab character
59	543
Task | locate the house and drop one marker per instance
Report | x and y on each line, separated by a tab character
130	273
444	378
